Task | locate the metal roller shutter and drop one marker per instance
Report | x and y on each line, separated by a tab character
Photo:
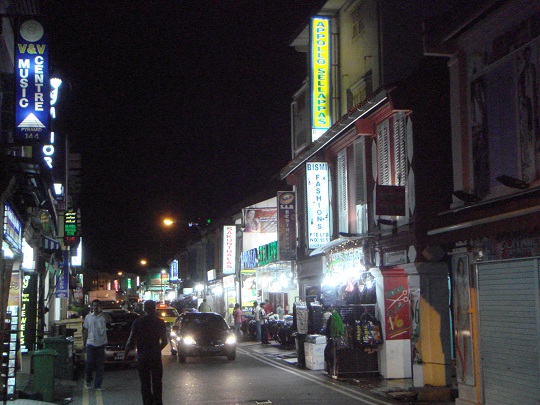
509	314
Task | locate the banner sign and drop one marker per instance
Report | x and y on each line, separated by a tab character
70	228
32	109
173	270
318	204
229	249
396	304
62	281
260	220
320	76
286	225
12	228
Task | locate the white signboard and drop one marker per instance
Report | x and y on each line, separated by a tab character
318	204
229	249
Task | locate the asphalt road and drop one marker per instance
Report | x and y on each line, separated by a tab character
259	375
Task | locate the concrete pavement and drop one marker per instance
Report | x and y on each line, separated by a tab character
400	389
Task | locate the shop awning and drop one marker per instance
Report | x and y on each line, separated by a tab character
336	242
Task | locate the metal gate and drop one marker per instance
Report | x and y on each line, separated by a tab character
509	314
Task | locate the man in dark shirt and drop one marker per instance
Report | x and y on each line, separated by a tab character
149	334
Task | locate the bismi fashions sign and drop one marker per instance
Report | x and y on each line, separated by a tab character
32	109
318	204
229	249
320	76
286	225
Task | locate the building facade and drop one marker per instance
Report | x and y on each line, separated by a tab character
491	228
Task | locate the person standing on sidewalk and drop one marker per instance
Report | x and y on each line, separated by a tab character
264	324
95	339
257	316
237	316
149	334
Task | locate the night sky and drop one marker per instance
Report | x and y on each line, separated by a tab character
177	108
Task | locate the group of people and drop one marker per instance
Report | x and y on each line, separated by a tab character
262	312
148	334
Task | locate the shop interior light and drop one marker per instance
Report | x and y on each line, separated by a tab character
199	287
218	290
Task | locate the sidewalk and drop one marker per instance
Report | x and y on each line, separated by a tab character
396	389
63	389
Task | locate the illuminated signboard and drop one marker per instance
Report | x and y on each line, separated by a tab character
320	76
286	225
318	204
32	108
173	270
229	249
12	228
70	228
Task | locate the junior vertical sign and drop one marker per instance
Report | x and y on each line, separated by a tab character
320	76
32	84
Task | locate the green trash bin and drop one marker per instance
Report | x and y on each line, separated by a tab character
43	368
63	363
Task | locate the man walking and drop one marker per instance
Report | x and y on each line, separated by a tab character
149	334
95	339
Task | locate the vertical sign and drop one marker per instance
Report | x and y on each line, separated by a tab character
173	270
12	228
320	76
62	281
318	204
32	108
286	225
229	249
396	304
70	228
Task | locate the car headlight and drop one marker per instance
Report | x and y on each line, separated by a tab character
188	340
230	340
173	334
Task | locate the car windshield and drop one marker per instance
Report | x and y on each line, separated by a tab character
206	324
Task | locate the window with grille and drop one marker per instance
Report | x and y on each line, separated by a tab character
342	201
383	153
358	20
360	186
400	153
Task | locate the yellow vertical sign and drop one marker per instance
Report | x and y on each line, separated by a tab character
320	76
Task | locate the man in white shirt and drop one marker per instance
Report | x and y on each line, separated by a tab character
257	316
95	339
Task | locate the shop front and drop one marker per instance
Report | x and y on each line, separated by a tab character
495	295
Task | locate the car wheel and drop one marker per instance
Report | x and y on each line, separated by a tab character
231	356
173	352
181	358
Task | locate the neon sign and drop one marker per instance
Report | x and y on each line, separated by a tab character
32	85
320	76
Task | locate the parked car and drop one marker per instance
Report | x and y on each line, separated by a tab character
202	334
118	329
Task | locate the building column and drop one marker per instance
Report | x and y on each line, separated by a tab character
430	298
